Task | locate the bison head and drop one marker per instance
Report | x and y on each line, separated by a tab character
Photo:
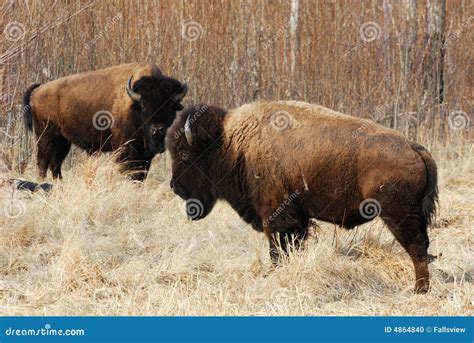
155	102
194	141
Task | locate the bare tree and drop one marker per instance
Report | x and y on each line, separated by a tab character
434	60
294	15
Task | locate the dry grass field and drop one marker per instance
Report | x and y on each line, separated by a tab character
101	245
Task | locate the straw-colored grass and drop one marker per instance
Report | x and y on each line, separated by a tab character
101	245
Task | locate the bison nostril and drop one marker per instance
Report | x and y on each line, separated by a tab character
160	131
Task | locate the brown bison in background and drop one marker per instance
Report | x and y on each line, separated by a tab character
278	164
129	106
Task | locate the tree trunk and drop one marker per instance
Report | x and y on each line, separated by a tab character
433	70
294	15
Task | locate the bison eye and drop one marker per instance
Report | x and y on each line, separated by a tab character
177	106
184	155
161	131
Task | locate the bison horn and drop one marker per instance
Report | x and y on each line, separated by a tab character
134	95
187	132
179	96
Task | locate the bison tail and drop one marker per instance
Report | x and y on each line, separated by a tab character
430	197
27	110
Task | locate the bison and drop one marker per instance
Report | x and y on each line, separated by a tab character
126	107
280	164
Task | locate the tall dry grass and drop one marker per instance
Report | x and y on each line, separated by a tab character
99	244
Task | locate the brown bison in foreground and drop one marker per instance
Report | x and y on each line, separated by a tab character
278	164
103	110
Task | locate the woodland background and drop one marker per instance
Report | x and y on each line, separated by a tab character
406	64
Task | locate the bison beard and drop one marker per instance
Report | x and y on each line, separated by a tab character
277	177
126	108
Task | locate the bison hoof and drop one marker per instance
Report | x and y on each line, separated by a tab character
422	287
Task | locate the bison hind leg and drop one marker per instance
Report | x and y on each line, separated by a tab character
61	147
44	154
411	232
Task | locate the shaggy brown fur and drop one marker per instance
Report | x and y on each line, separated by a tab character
62	113
278	164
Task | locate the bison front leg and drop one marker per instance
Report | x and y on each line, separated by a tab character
139	170
133	163
136	170
285	232
278	243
